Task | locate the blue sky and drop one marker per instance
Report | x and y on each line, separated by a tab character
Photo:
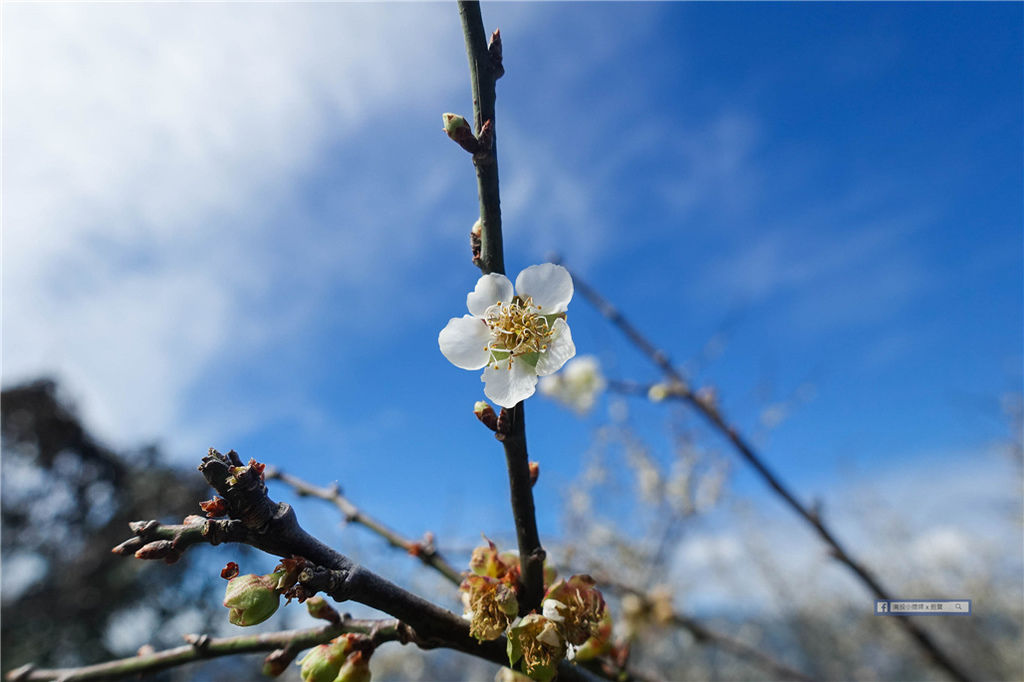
240	225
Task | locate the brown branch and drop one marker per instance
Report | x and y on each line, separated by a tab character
679	389
201	647
738	648
482	74
484	69
425	551
258	521
706	635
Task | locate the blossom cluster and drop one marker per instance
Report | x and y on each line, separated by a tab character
573	622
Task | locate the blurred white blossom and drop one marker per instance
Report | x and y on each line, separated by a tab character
577	386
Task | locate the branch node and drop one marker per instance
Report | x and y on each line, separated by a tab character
200	642
334	583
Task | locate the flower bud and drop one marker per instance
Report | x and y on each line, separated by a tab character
251	598
324	662
158	549
453	123
356	668
485	413
488	562
657	393
319	608
278	661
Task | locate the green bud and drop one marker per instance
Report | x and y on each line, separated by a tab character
323	662
453	123
251	598
356	668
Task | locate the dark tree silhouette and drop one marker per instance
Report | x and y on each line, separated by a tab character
66	501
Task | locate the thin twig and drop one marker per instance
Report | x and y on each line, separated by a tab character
708	409
424	551
706	635
482	77
738	648
483	72
202	648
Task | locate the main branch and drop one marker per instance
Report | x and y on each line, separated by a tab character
484	69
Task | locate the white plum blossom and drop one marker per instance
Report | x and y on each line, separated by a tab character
578	386
515	334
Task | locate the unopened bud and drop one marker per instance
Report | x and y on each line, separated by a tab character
487	561
128	546
278	661
356	668
657	393
453	123
534	473
158	549
323	663
251	598
485	413
319	608
459	130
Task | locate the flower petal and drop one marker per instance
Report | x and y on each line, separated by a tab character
464	342
560	349
490	289
548	284
507	387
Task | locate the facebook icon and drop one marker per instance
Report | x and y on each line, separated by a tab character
881	606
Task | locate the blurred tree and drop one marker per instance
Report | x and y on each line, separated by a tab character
66	502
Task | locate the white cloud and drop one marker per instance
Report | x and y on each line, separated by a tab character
848	262
145	148
937	522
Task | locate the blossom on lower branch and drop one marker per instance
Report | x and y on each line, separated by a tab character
514	334
573	622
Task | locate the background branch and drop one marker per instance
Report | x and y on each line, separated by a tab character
705	635
680	390
425	551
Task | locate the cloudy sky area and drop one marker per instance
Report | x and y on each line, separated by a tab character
240	226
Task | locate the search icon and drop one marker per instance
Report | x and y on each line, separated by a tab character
959	607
